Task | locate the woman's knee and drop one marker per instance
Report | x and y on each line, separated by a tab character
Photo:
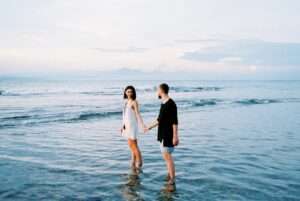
131	143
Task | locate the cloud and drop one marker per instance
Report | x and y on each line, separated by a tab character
212	38
196	40
119	50
249	52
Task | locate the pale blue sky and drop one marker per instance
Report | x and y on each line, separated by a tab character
232	36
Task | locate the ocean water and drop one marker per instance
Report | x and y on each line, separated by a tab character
60	140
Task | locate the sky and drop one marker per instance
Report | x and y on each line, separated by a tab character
233	38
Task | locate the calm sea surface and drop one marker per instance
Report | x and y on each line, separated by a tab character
60	140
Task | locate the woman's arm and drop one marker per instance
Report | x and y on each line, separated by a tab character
138	114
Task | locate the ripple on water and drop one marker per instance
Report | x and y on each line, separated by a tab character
229	170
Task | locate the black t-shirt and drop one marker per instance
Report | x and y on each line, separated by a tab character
166	119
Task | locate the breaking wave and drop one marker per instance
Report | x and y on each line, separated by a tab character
257	101
95	115
195	89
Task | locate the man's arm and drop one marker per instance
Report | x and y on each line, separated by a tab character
175	135
175	125
153	125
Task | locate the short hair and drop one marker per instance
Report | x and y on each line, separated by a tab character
164	87
133	92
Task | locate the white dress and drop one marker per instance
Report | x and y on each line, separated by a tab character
130	122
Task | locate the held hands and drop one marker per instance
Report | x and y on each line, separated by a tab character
146	129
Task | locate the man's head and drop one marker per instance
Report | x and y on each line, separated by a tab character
162	90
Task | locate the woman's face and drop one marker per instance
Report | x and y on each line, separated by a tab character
129	93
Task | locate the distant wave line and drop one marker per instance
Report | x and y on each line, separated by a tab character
183	105
106	91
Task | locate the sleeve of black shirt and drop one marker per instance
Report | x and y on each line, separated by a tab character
174	116
159	115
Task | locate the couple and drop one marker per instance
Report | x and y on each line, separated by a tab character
167	123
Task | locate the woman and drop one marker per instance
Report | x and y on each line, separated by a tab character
131	119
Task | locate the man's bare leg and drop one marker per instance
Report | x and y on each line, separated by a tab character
170	166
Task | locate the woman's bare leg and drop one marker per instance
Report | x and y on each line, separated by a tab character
133	157
137	153
139	157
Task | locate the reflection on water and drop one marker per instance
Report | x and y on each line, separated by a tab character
132	186
167	193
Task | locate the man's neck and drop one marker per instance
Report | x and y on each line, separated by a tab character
165	98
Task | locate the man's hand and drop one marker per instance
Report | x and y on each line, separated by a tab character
175	140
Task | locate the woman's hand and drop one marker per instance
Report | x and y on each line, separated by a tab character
146	129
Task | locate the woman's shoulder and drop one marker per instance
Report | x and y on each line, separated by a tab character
135	103
132	103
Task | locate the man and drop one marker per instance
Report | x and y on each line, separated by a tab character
167	135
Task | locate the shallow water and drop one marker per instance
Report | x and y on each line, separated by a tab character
59	140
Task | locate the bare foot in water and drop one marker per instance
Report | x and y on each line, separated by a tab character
171	181
132	164
170	187
139	165
167	178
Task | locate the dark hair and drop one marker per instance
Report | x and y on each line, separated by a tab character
164	87
133	92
